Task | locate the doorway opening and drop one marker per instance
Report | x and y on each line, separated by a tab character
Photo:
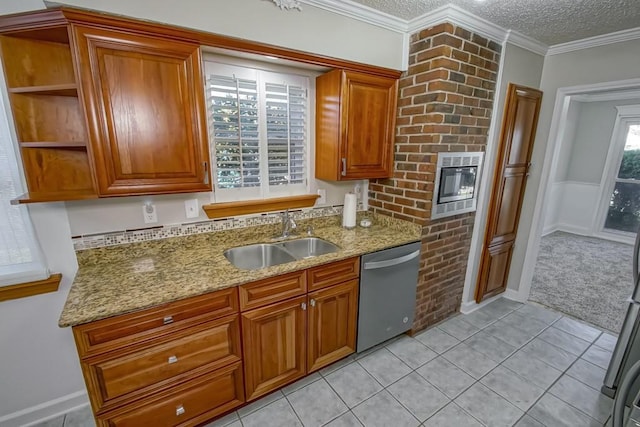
591	208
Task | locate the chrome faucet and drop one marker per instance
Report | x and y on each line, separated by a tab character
288	224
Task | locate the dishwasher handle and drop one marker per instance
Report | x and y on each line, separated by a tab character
390	262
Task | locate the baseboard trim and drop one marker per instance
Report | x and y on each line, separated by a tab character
574	229
45	411
550	229
471	306
515	295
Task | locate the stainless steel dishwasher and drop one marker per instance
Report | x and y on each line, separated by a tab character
388	281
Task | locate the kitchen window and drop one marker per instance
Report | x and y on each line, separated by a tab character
258	131
20	256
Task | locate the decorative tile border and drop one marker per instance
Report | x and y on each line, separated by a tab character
91	241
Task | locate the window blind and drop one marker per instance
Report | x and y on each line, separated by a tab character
258	130
20	256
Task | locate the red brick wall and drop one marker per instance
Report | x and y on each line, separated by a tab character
445	104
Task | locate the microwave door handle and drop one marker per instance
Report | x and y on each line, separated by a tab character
390	262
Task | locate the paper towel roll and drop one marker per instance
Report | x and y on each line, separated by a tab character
349	210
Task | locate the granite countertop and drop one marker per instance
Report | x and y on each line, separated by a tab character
120	279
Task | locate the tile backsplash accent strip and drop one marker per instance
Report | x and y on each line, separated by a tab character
114	238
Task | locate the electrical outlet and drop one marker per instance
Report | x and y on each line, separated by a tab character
191	208
357	189
322	200
149	213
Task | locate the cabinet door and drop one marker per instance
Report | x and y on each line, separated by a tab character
144	104
369	111
333	318
273	339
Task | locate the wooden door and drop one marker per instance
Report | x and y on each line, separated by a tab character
145	110
509	182
333	318
274	340
369	110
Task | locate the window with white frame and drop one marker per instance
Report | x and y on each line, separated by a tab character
258	131
20	256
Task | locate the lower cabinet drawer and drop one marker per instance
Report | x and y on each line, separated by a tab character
215	343
187	404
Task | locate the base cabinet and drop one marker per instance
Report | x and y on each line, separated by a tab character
333	318
274	342
286	340
187	362
189	404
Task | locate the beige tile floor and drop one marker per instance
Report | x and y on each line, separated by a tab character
507	364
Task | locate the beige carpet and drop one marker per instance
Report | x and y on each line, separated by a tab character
584	277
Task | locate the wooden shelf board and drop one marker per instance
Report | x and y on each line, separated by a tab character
54	144
28	289
70	89
245	207
52	197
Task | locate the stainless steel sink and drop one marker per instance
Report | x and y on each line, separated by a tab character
262	255
308	247
255	257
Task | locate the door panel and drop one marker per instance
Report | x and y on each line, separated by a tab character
274	339
370	105
509	182
145	109
333	316
507	218
496	261
526	117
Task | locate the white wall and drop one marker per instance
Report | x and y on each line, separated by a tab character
518	66
311	30
40	373
614	62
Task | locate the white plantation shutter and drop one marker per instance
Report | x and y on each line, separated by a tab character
286	120
20	257
233	125
257	130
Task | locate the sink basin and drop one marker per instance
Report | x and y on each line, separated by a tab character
262	255
255	257
308	247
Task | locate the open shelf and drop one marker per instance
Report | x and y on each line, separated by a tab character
52	197
67	89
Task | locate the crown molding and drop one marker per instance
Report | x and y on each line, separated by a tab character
526	42
360	12
458	16
605	39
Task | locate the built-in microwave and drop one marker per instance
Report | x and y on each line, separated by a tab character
457	181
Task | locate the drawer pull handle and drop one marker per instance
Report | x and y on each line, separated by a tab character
167	320
180	410
312	302
303	305
172	359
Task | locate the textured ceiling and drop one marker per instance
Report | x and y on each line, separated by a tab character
548	21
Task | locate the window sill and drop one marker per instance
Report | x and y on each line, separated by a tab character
28	289
245	207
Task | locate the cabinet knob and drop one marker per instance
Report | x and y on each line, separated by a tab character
303	305
344	167
172	359
167	319
312	302
180	410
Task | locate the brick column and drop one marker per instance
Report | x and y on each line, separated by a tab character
445	104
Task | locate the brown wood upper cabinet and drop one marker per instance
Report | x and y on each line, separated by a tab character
145	110
355	125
